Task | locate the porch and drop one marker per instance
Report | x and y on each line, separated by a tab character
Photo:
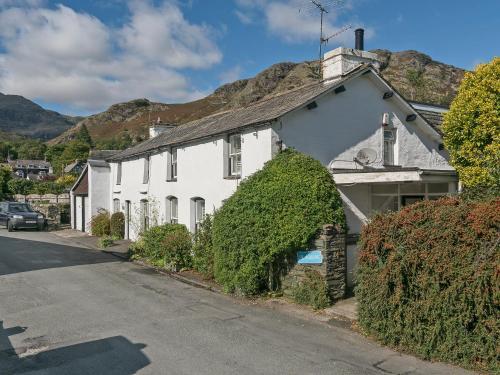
365	192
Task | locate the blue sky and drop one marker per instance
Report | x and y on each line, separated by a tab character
79	57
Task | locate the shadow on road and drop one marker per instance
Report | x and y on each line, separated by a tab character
19	255
112	355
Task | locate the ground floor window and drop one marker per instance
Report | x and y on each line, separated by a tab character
197	212
116	205
391	197
172	210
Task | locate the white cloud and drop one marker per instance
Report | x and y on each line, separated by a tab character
231	75
71	58
245	18
21	3
297	21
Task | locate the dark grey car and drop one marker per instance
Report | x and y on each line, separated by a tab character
15	215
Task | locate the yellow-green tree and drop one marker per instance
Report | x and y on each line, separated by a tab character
472	127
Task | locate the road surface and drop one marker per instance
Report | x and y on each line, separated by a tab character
70	310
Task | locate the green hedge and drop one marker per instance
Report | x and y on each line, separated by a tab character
167	245
428	280
203	252
100	224
117	225
273	213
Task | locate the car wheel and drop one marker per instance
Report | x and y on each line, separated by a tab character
10	227
40	227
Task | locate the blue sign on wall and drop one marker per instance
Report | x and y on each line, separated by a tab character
309	257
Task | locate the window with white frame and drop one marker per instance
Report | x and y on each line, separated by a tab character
199	213
116	205
144	212
389	144
172	210
119	173
172	164
234	154
147	161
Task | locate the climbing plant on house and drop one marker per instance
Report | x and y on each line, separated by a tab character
274	212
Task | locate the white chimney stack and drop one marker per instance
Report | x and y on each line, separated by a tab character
157	128
340	61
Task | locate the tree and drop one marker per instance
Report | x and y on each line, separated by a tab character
20	186
66	181
74	150
31	150
42	188
5	176
54	152
83	136
472	127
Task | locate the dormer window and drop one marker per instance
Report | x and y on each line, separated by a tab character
234	155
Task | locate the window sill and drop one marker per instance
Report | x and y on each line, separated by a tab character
391	166
232	177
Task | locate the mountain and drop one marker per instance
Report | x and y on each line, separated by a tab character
21	116
415	75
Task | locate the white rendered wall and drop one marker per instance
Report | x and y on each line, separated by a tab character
344	123
99	189
200	175
78	219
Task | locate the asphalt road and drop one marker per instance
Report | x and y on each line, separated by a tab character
69	310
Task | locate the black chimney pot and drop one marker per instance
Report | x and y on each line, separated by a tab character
360	42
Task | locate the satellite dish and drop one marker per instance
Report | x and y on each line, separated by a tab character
366	156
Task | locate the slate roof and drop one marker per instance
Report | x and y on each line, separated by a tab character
102	154
82	188
71	166
24	163
261	112
435	119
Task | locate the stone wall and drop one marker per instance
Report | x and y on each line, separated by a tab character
332	244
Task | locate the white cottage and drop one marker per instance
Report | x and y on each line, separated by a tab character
383	151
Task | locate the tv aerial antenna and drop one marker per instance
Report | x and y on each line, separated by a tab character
324	7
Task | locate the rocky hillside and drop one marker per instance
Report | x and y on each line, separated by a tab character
21	116
415	75
419	78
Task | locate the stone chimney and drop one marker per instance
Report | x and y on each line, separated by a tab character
342	60
158	128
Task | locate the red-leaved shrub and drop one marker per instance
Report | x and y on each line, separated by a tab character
428	280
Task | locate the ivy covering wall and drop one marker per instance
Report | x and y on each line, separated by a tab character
273	213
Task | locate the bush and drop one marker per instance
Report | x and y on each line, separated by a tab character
428	280
275	212
100	224
105	241
117	225
168	245
203	252
312	291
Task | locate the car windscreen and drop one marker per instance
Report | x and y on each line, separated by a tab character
19	207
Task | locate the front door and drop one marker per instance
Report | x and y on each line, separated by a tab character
83	214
